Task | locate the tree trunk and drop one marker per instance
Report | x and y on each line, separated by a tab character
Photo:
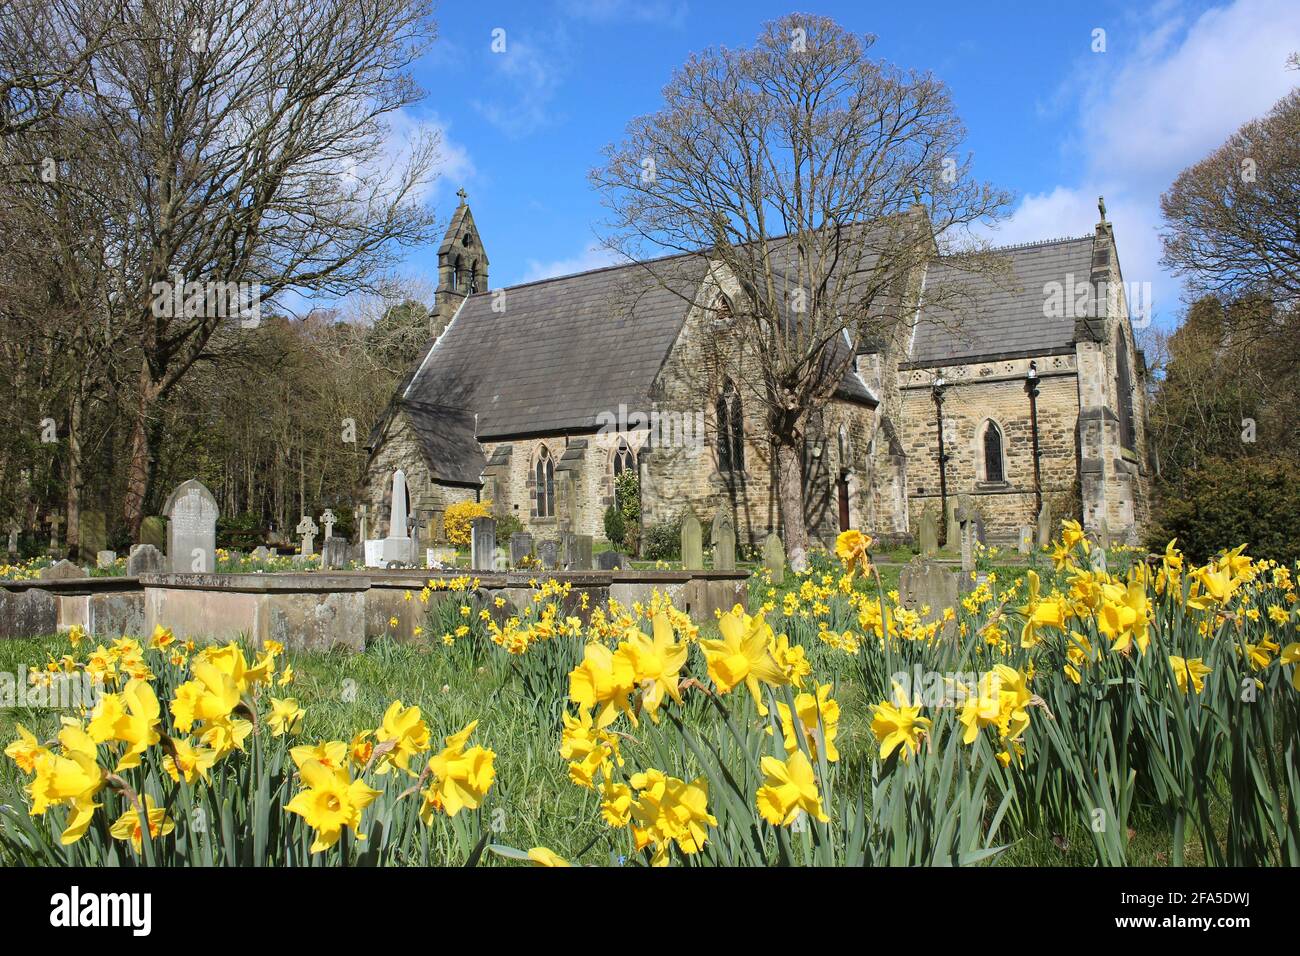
789	491
137	474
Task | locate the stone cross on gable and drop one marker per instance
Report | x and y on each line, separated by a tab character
462	194
327	519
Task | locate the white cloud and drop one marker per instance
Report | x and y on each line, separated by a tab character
528	72
666	12
594	256
1151	107
452	165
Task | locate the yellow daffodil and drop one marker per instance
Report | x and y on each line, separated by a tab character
285	717
406	734
898	725
129	825
743	655
789	789
1185	671
330	801
461	778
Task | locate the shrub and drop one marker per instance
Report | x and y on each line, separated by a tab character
1223	504
506	526
456	520
241	532
662	541
614	526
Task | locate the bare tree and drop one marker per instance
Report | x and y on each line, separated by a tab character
817	177
248	144
1231	222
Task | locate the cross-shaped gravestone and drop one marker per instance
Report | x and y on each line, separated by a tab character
327	519
307	528
54	520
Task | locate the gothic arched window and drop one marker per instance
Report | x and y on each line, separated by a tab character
455	274
624	458
731	429
544	482
473	277
993	470
1124	385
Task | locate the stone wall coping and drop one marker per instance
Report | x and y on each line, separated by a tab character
75	587
278	582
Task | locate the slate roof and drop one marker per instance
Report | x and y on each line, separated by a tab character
981	315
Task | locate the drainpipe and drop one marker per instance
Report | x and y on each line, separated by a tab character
937	391
1031	387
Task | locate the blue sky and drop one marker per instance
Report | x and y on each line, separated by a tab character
1048	118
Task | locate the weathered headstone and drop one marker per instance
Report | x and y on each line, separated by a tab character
611	561
521	547
63	570
968	547
692	543
1045	524
1025	541
307	530
548	554
363	523
105	559
397	546
261	553
579	556
93	528
153	530
774	558
929	533
14	530
54	520
334	553
144	559
927	583
482	544
724	542
442	556
191	528
328	521
1103	535
952	538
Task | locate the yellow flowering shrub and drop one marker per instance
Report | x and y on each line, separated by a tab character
457	518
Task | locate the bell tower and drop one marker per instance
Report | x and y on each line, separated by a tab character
462	265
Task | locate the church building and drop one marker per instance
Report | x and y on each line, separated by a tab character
536	397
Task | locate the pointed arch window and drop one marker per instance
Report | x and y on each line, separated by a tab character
544	484
993	465
731	429
624	458
473	277
456	269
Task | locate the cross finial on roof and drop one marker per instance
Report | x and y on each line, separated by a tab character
1101	207
462	194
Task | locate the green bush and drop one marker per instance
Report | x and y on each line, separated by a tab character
662	541
1225	503
241	532
614	526
506	526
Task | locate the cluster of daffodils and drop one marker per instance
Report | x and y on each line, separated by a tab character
141	741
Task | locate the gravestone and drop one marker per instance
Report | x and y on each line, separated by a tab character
482	543
397	546
54	520
575	552
1025	542
105	559
441	556
14	530
927	583
692	543
611	561
307	530
724	542
191	528
774	558
63	570
262	553
521	547
144	559
548	554
1103	535
952	536
929	533
363	523
94	532
334	553
328	521
968	547
1045	524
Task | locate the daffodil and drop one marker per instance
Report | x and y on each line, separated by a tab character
128	825
188	762
541	856
1185	671
851	548
285	717
603	682
898	725
789	789
743	655
819	718
330	801
461	778
405	734
656	663
25	750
